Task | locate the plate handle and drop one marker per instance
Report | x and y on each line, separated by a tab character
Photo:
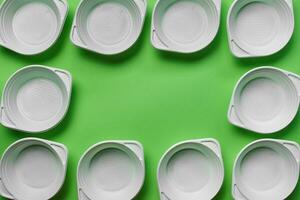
66	78
163	196
3	191
82	195
238	51
233	118
218	6
76	39
61	150
296	80
5	120
294	148
237	194
157	42
142	4
63	8
290	3
137	148
2	43
213	145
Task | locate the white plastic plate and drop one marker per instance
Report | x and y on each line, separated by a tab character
266	169
35	98
265	100
259	28
185	26
108	26
33	169
30	27
111	170
191	170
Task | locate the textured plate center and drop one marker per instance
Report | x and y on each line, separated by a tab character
184	22
37	167
262	99
189	170
111	170
257	24
109	23
34	23
39	99
261	169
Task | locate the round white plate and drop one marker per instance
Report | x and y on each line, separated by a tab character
35	98
185	26
31	26
266	170
265	100
33	169
108	26
191	170
111	170
259	28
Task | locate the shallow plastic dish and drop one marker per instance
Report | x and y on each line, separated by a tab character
266	169
191	170
265	100
33	169
111	170
259	28
108	26
185	26
35	98
30	27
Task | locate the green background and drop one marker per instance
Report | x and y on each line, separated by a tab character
154	97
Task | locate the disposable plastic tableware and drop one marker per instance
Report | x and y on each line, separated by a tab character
30	27
185	26
265	100
35	98
259	28
108	26
266	169
33	169
191	170
112	170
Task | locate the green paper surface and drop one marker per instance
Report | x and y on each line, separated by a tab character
154	97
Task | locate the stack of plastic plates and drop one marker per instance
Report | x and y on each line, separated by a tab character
35	98
259	28
33	169
111	170
266	170
185	26
31	26
265	100
108	26
191	170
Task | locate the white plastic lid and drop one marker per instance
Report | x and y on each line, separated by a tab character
191	170
265	100
111	170
33	169
108	27
185	26
266	169
30	27
259	28
35	98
